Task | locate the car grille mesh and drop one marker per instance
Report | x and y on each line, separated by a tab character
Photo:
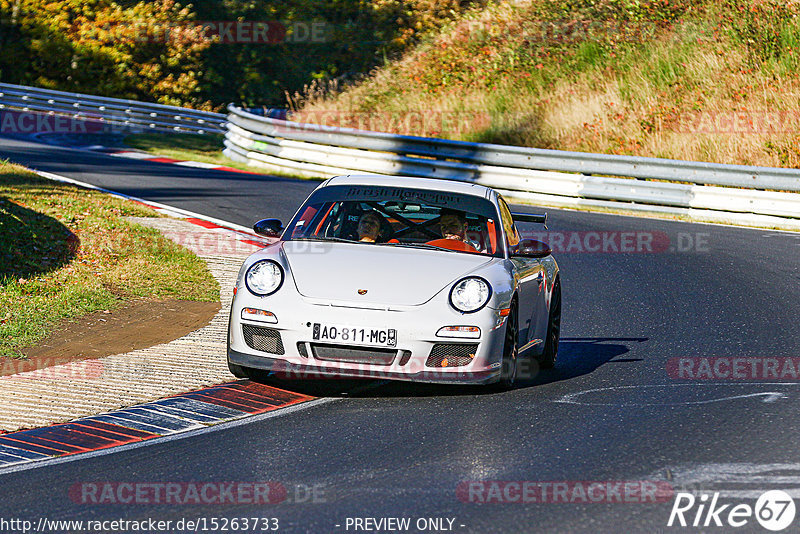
452	354
367	355
263	339
301	349
405	355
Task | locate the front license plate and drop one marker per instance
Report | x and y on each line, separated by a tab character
375	337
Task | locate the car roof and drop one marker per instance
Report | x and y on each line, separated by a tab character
433	184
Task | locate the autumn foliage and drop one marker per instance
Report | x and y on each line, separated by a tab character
158	50
704	80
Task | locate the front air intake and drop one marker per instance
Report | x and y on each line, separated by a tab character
263	339
452	354
366	355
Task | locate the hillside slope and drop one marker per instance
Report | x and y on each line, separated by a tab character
686	79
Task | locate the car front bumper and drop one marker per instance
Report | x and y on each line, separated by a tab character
416	330
286	370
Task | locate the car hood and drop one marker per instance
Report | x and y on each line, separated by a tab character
390	275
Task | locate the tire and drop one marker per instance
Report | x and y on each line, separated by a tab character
256	375
508	365
238	371
550	354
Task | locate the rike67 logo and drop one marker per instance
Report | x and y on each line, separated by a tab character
774	510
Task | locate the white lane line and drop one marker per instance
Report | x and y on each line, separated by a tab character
732	480
198	164
184	417
20	453
132	155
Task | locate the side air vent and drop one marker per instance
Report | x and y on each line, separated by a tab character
452	354
263	339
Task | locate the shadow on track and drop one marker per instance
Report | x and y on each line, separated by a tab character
577	357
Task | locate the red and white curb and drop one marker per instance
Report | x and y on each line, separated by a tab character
173	415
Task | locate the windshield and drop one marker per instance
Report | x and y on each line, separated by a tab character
401	217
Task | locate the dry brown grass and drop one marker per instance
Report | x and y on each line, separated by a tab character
691	92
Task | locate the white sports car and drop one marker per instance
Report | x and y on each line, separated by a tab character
398	278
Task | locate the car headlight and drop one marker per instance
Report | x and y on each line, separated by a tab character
470	294
264	278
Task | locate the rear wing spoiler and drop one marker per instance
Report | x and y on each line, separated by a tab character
530	217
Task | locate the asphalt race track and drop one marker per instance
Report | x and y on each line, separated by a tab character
232	197
619	407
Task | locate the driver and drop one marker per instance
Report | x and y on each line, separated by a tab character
453	225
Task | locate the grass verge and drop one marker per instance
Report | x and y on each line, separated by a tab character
696	80
66	252
205	148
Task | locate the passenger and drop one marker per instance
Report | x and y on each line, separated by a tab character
370	227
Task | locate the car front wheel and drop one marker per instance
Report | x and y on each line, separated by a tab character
548	358
508	367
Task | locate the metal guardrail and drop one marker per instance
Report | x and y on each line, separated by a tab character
740	194
722	193
118	113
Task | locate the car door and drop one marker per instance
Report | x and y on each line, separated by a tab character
530	281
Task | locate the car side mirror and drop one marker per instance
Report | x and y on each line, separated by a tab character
530	248
269	228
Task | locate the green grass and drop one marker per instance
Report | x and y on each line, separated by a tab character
66	252
205	148
626	85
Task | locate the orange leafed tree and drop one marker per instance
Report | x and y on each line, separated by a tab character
145	51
